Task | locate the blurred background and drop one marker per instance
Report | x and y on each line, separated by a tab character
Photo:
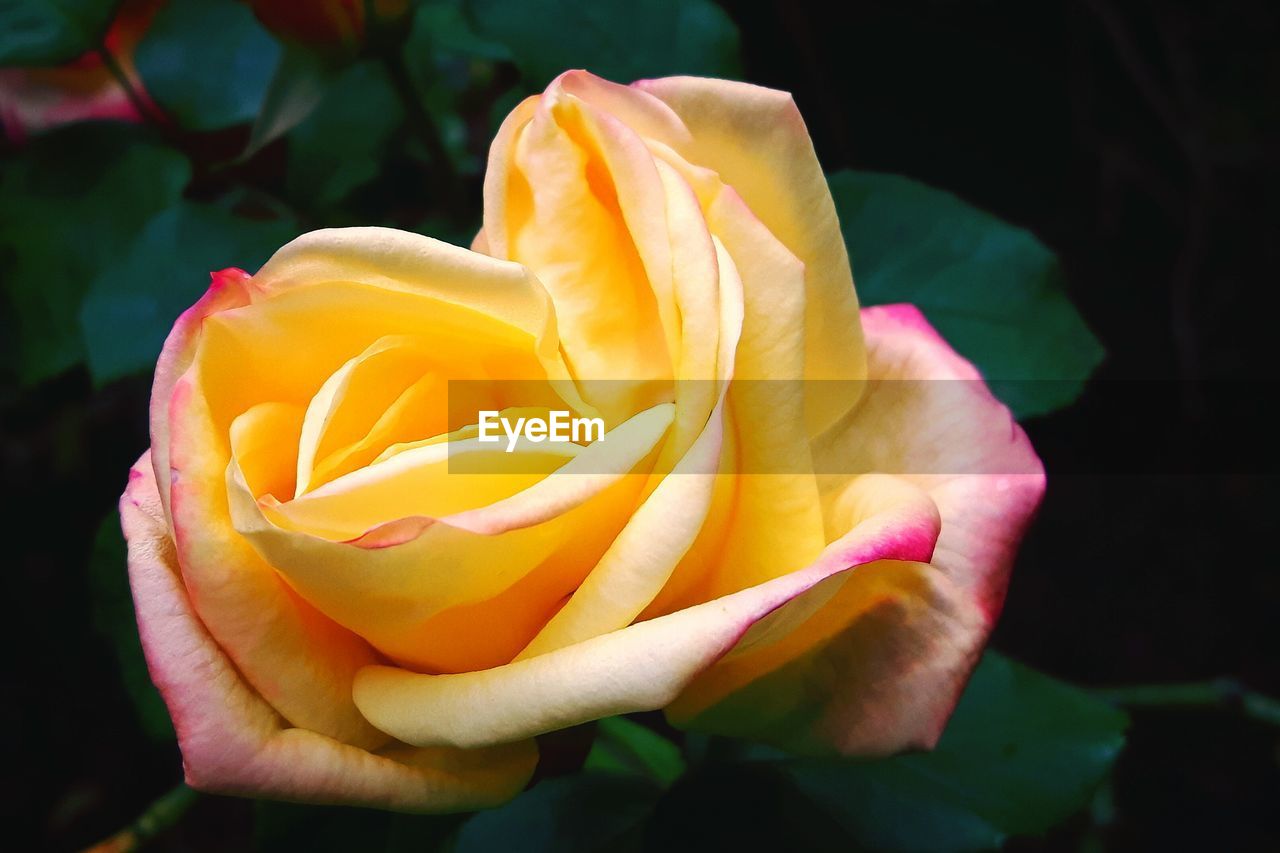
1139	142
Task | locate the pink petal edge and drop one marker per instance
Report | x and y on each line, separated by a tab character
232	742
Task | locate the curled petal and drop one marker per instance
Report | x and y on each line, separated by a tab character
879	664
392	591
756	141
928	416
640	667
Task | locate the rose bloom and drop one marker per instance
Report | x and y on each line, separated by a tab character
776	549
36	99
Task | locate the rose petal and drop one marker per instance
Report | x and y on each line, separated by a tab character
390	593
756	141
640	560
662	532
776	524
320	298
351	400
233	742
565	222
298	660
930	417
228	289
330	294
880	666
641	667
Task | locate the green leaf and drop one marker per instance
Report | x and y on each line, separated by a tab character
341	145
1022	753
51	32
742	805
442	27
131	304
618	41
448	63
113	618
208	63
296	88
72	198
623	746
568	814
992	290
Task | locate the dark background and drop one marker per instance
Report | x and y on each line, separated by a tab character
1141	144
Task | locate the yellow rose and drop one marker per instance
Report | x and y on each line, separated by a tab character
762	542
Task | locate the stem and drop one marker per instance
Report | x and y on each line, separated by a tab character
144	108
426	130
159	816
1223	693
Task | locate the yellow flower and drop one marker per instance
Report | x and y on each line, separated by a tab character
771	539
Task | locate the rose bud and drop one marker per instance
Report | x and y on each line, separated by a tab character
328	26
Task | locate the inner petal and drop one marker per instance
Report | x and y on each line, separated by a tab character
392	592
418	482
572	233
350	401
256	439
413	414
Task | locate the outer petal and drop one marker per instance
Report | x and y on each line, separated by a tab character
880	666
755	139
298	660
227	289
641	667
935	423
875	669
233	742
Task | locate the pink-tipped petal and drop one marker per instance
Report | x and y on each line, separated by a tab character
947	433
640	667
879	665
234	742
228	288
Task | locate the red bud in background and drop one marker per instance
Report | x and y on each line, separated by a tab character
330	26
36	99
